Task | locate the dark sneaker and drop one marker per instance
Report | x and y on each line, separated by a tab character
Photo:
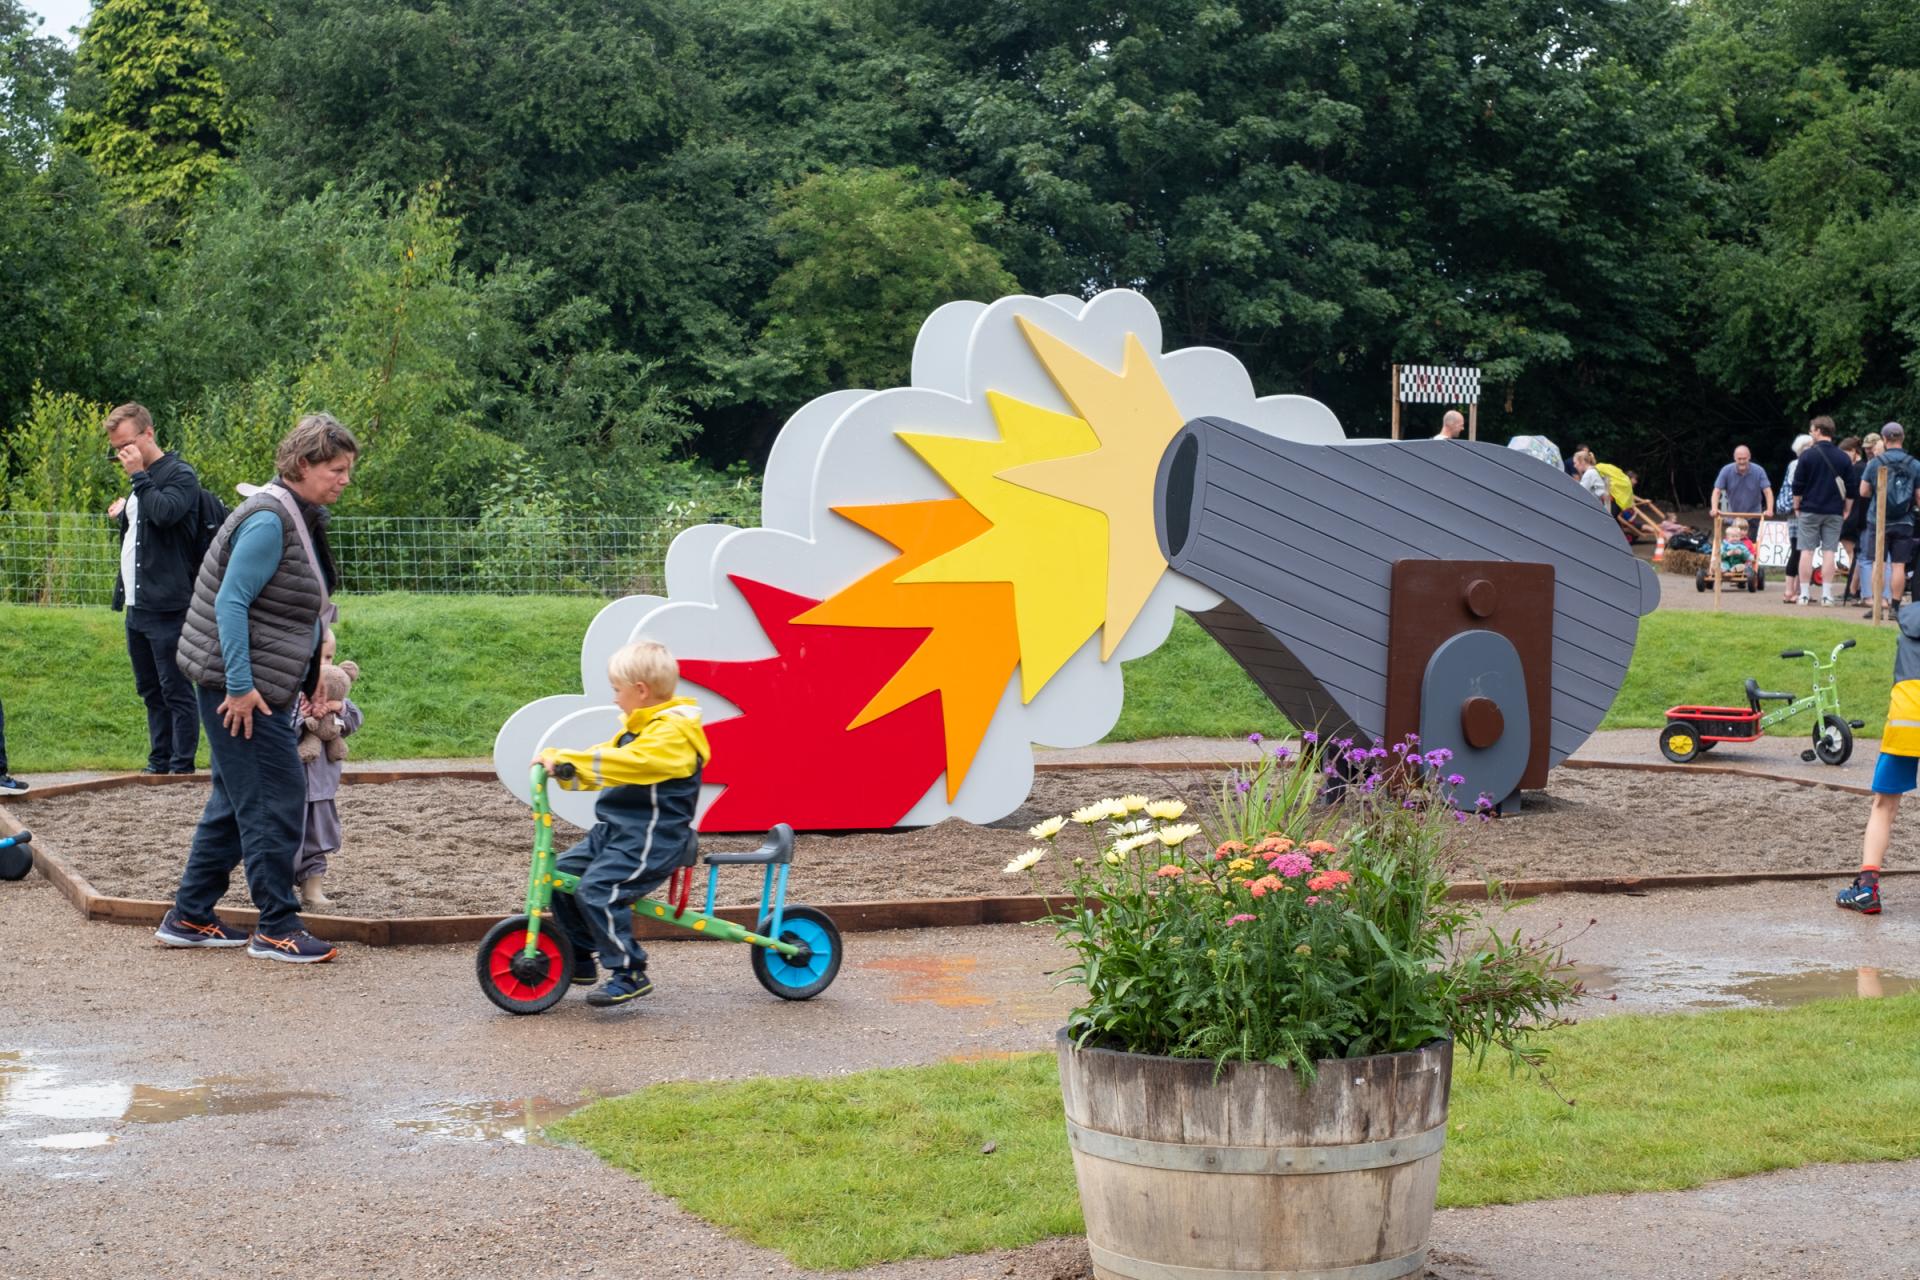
585	972
1864	898
624	985
188	769
11	784
298	947
177	931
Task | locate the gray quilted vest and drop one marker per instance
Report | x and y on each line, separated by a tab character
280	621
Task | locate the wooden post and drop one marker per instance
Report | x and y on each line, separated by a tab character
1473	421
1713	557
1879	537
1396	401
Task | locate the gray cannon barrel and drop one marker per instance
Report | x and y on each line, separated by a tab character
1301	540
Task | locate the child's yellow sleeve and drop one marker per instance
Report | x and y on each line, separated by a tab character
660	753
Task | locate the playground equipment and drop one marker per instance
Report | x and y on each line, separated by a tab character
1691	731
526	967
15	861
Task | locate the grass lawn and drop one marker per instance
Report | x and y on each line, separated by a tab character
884	1165
441	674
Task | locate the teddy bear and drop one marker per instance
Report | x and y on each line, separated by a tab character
320	734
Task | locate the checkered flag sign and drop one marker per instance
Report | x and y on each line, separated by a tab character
1438	384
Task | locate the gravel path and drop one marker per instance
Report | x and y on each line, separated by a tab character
264	1120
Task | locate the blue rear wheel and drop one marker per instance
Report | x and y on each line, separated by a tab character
806	975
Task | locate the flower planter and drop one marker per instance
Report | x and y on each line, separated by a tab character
1247	1176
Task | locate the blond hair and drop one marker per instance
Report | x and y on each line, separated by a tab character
129	412
645	662
316	438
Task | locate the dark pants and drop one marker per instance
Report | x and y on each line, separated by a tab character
613	876
173	721
3	741
256	813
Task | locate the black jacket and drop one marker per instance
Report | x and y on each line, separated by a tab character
163	549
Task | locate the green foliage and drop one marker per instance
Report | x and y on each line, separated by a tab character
1328	935
869	253
32	69
151	105
881	1165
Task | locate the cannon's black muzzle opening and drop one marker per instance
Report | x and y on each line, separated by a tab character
1175	491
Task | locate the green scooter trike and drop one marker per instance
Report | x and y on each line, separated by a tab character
526	965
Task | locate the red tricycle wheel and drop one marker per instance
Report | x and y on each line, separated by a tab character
516	981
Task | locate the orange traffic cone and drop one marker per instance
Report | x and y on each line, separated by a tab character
1660	548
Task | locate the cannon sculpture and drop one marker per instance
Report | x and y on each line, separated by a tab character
949	573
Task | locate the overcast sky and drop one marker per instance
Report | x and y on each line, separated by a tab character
60	14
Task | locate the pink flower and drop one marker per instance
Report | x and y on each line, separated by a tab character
1242	918
1169	871
1313	900
1290	865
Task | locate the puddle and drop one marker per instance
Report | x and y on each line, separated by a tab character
1668	982
519	1121
940	980
37	1096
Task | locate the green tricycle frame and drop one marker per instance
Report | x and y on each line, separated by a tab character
1691	731
526	964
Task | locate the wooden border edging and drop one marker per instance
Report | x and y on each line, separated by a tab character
851	917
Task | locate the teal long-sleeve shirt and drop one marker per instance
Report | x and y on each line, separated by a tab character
250	566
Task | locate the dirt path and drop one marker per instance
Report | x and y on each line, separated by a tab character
355	1119
449	848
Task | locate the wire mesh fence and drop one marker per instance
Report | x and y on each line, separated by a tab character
70	558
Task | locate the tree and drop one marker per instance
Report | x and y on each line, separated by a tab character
868	253
151	106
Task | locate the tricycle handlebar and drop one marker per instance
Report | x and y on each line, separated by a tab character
1793	653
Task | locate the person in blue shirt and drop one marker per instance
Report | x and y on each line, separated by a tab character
251	646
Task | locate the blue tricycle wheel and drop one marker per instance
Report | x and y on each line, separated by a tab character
807	975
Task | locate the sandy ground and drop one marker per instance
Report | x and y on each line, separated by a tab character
439	848
361	1118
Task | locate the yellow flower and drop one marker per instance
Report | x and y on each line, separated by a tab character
1303	950
1174	837
1114	808
1089	815
1166	810
1048	829
1134	803
1240	864
1113	857
1025	861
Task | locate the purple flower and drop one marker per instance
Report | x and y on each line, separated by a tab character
1367	787
1408	804
1399	748
1309	736
1460	815
1484	802
1413	739
1255	739
1344	743
1454	780
1281	753
1242	787
1331	772
1377	753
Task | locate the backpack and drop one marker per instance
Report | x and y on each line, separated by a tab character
1783	504
209	513
1900	491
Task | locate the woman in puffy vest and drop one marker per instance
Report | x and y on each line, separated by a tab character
251	646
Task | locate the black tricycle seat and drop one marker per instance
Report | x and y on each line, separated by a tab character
776	850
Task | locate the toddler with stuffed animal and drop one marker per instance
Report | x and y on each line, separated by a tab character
325	721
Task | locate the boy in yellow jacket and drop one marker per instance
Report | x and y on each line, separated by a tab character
1894	775
649	778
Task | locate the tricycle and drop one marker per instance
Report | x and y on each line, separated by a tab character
525	965
1691	731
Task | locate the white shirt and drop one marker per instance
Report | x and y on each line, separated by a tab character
132	512
1596	484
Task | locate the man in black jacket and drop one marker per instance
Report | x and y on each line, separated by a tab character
155	583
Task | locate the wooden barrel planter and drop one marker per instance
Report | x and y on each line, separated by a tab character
1246	1176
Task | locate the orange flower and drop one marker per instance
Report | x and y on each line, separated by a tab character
1227	849
1169	871
1329	880
1321	846
1273	844
1264	885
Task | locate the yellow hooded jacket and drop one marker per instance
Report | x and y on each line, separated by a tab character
655	744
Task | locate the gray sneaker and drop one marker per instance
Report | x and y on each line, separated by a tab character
10	785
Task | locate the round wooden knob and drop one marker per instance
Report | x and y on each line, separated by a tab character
1481	597
1481	722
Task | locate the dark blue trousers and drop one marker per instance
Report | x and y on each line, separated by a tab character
614	874
3	741
173	721
256	814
